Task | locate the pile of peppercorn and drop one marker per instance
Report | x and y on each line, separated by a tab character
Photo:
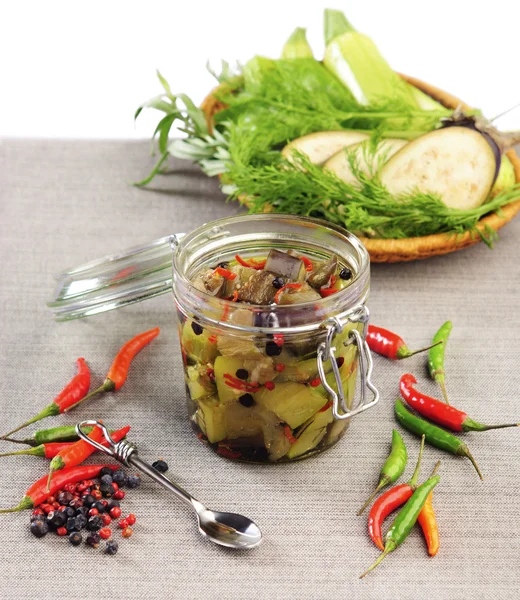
91	504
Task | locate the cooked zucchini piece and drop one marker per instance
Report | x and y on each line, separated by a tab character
248	422
196	343
293	403
227	365
311	433
198	382
210	418
302	371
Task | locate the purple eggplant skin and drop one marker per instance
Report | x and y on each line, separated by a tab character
469	123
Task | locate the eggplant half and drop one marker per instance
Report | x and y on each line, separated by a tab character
320	146
459	162
367	160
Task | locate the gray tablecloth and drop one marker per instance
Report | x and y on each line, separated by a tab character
63	203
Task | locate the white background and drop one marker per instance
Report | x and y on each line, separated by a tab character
80	69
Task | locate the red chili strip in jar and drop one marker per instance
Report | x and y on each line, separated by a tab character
212	339
293	286
251	263
288	434
239	384
226	273
326	407
325	292
227	452
308	263
234	297
278	339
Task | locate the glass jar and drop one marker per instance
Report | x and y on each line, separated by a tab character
270	383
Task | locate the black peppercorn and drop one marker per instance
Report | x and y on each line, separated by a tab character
345	273
197	329
246	400
273	349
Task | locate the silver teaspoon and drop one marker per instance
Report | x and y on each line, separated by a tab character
226	529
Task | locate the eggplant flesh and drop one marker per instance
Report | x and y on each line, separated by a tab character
259	289
322	272
320	146
297	296
210	283
368	161
456	163
286	266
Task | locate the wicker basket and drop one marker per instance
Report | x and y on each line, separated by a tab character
401	250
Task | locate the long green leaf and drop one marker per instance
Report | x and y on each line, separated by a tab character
153	172
166	86
156	102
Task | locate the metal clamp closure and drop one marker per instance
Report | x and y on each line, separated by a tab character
327	351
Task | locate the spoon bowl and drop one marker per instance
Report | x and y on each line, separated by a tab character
228	529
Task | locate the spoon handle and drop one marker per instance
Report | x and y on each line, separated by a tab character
143	466
126	454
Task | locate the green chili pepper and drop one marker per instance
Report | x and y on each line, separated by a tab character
434	435
392	469
405	520
436	357
54	434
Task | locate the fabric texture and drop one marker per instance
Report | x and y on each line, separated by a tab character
66	202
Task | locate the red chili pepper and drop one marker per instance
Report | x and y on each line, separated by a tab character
293	286
315	382
289	435
308	263
269	385
73	392
212	339
326	407
239	384
391	500
227	452
278	339
279	367
38	493
118	371
440	412
251	263
325	292
226	273
234	297
49	450
384	342
81	450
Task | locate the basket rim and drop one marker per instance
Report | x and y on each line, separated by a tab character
420	247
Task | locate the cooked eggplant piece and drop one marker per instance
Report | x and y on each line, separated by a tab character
258	289
304	294
211	284
322	272
285	265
